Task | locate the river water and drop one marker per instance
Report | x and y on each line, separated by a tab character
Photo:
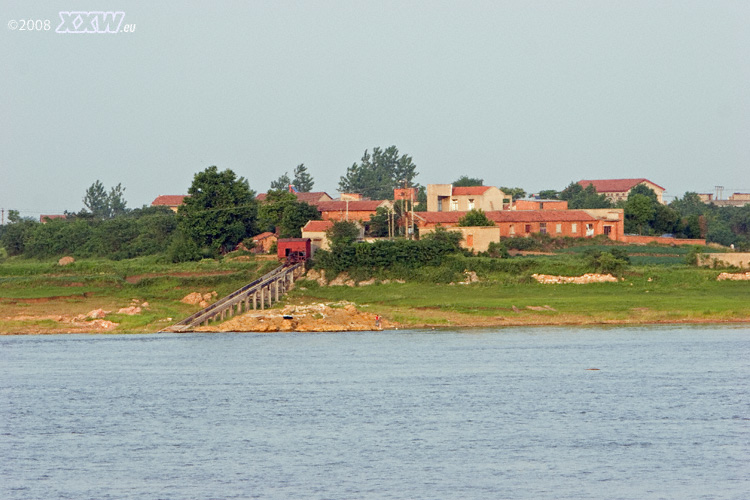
509	413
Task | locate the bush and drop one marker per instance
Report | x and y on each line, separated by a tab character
611	262
183	249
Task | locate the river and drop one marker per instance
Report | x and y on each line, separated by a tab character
625	412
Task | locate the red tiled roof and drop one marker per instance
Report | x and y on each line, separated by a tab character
317	226
475	190
263	236
169	200
614	185
510	216
353	206
313	197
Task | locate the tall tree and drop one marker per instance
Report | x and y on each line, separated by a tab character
96	200
282	213
303	181
116	204
221	210
377	174
282	183
639	210
466	181
103	205
515	192
579	197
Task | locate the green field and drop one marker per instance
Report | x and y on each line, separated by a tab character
665	289
42	288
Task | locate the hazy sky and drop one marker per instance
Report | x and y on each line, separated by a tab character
523	93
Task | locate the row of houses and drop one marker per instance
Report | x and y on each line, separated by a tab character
447	204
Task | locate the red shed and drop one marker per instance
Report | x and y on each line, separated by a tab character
293	249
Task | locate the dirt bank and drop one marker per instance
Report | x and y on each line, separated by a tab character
338	317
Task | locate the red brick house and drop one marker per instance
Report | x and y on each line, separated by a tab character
264	242
351	210
522	223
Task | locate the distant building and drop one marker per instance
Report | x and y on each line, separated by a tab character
523	223
46	218
172	201
734	200
446	198
351	210
535	204
264	242
618	189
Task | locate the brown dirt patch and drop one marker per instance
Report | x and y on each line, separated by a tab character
185	274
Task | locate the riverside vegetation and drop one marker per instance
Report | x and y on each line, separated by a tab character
655	284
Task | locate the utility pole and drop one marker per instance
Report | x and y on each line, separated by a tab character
3	219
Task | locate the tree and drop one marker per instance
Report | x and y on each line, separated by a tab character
14	216
221	210
377	175
465	181
116	204
639	210
103	205
303	181
579	197
515	193
475	218
644	190
342	233
282	183
281	212
96	200
549	194
690	204
380	223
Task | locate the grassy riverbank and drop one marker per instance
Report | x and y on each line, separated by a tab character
43	297
645	294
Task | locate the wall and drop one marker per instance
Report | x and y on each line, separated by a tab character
741	260
479	237
434	191
643	240
540	205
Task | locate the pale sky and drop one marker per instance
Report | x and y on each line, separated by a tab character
523	93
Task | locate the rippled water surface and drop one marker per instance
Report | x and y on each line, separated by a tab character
513	413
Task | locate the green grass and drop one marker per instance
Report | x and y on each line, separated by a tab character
98	283
677	292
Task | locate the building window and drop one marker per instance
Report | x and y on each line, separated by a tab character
607	230
558	228
543	227
589	230
528	228
574	227
471	204
512	230
454	205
